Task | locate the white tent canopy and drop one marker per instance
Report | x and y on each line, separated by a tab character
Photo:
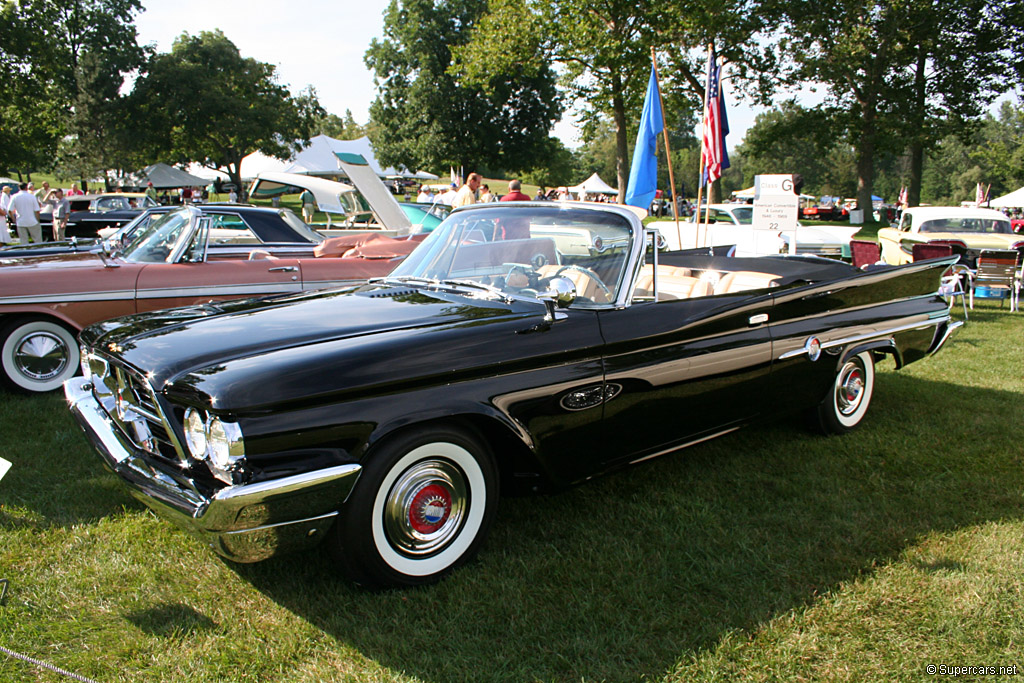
594	184
319	158
1013	200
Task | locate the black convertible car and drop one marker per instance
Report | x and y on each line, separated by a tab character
521	347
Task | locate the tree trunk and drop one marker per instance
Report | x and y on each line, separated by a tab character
916	143
916	171
865	175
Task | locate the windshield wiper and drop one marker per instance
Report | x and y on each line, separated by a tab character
473	284
407	280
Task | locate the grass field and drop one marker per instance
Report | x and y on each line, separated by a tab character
770	554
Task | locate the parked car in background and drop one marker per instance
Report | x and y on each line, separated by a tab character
968	230
828	208
90	213
243	222
733	224
386	419
186	256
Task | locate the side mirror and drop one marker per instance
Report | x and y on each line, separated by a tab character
561	293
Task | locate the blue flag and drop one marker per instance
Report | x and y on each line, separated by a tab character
643	173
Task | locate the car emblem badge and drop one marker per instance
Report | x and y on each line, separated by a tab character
430	509
813	348
115	347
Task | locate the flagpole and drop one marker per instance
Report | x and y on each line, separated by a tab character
668	152
700	172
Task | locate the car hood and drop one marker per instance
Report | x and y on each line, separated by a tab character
255	351
20	266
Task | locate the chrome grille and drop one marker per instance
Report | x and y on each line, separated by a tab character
130	402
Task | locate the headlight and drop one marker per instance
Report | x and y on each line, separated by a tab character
225	443
195	433
215	441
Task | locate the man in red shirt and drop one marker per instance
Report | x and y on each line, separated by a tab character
515	193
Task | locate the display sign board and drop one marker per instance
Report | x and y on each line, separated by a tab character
776	207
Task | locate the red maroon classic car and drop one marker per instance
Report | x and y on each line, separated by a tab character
178	260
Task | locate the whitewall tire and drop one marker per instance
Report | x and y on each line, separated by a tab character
422	507
38	355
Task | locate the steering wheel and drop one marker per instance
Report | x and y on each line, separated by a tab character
590	274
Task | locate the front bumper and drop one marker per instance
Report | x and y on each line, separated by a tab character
244	523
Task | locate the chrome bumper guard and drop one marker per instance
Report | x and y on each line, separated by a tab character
943	335
244	523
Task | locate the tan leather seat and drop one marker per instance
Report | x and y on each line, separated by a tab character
673	283
585	285
742	280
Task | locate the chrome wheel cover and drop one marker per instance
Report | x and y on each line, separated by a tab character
426	507
41	356
850	388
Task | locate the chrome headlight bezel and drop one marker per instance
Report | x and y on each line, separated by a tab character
213	440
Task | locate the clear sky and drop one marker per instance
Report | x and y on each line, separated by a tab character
313	42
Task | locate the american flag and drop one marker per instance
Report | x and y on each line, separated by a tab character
714	158
903	200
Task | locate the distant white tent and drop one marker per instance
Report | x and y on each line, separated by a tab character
1013	200
594	185
320	158
252	166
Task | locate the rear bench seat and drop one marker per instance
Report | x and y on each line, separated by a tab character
679	283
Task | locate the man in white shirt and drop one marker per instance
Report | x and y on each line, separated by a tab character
467	193
25	208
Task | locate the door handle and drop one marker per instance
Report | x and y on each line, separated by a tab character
759	319
284	269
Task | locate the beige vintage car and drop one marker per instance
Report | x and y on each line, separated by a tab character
969	230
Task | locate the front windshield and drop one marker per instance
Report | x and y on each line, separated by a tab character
968	225
155	243
516	250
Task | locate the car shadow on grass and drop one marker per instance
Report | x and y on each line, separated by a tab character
626	576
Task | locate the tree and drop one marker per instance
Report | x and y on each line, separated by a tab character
430	116
340	128
206	103
793	139
604	52
62	65
899	73
957	70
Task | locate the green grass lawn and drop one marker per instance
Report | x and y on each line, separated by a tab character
770	554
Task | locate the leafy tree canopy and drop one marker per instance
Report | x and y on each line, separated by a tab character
204	102
428	115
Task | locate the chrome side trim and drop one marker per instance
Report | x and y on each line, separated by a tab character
685	445
114	295
844	341
223	290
